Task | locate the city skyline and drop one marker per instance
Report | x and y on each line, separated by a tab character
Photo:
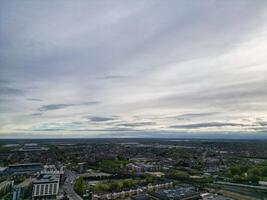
133	69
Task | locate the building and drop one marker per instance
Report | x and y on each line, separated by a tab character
46	187
180	193
141	167
24	168
82	167
142	197
134	192
23	190
156	174
95	175
16	194
210	196
3	171
32	147
264	183
52	170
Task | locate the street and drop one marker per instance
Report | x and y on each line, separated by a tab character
68	185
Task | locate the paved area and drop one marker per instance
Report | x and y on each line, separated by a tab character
68	185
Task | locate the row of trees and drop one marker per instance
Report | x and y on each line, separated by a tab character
112	185
112	166
252	173
115	185
179	175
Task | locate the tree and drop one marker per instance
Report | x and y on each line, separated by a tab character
78	186
180	175
127	183
264	171
239	178
114	185
254	174
235	170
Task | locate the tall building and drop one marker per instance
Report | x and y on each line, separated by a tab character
82	167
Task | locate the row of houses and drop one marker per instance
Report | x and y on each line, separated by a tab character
132	192
139	167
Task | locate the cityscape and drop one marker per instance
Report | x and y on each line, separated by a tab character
134	169
133	100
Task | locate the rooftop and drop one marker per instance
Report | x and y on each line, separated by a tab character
48	179
141	197
24	164
178	193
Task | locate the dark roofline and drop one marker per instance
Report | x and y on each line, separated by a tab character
24	164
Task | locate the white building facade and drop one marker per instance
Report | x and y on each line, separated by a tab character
46	188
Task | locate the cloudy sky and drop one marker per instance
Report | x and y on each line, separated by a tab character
147	68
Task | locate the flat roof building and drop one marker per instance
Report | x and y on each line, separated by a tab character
46	188
24	168
181	193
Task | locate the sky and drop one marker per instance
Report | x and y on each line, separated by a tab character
148	68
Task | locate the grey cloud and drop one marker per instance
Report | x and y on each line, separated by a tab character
77	123
181	135
207	125
137	124
79	130
6	100
36	114
262	123
224	96
111	40
54	107
99	119
48	129
44	129
61	106
10	91
111	77
195	115
89	103
106	130
34	99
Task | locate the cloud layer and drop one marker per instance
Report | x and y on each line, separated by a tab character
136	68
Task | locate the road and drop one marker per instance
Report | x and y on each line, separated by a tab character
68	185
